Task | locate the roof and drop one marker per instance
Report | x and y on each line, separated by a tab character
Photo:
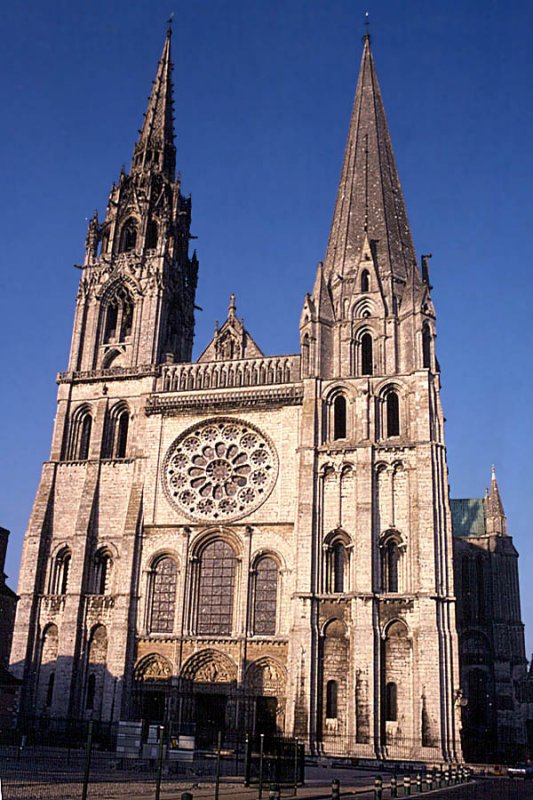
468	517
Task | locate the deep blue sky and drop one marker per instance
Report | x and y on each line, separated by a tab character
263	97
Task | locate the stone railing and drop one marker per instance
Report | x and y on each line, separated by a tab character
268	371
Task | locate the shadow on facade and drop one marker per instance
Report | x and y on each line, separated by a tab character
59	699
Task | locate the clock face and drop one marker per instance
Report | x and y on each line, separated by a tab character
220	469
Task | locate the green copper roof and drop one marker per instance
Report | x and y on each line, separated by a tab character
468	517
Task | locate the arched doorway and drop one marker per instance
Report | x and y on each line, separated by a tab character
266	683
208	689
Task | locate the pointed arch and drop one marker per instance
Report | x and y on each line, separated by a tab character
426	345
152	234
80	434
116	432
61	571
128	235
102	567
305	355
217	574
117	312
163	581
265	587
365	281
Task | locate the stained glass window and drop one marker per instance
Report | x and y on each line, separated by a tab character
164	580
216	589
266	592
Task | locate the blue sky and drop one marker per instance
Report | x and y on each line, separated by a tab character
263	97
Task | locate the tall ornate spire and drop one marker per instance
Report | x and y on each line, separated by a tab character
369	200
155	149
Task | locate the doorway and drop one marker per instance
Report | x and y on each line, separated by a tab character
210	718
266	716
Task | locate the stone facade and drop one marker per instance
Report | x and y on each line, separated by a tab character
491	634
249	542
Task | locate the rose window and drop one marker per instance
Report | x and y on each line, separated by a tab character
222	469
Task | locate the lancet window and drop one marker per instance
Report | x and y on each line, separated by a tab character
336	563
367	358
339	417
216	589
265	596
118	316
102	572
61	570
392	406
128	236
116	436
164	578
426	346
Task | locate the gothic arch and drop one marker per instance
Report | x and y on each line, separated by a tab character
206	537
117	431
209	666
129	234
153	668
266	676
80	433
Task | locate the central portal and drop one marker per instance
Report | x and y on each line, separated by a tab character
210	718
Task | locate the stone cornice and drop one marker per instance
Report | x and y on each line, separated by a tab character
112	373
214	400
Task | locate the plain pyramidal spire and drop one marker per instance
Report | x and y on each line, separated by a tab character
155	150
369	199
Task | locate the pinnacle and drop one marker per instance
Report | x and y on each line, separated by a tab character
155	150
369	198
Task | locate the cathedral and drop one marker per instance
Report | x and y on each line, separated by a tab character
265	543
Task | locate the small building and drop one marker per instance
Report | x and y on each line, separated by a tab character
492	659
8	604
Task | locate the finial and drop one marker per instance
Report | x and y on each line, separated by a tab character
169	24
493	473
366	37
232	306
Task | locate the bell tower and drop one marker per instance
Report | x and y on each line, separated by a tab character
135	304
375	529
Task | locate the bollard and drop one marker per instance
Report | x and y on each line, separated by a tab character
88	754
453	777
274	792
261	759
295	765
335	789
160	754
428	782
378	788
217	775
407	785
418	782
394	786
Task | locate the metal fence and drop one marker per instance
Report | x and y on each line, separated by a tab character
92	764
